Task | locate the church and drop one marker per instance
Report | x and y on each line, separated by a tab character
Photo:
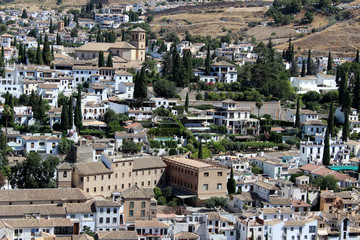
132	52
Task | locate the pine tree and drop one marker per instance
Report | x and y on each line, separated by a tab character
39	58
200	151
357	59
109	62
330	62
140	87
231	183
71	112
187	102
101	61
47	57
207	61
331	120
326	154
297	117
64	118
78	113
303	69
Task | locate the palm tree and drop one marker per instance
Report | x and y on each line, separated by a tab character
259	104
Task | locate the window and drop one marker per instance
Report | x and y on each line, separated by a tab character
206	187
312	229
101	220
219	186
131	204
18	232
142	213
143	205
114	220
107	220
219	174
65	174
206	174
131	213
101	210
115	210
108	210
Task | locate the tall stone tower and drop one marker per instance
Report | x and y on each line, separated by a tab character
138	39
64	176
60	26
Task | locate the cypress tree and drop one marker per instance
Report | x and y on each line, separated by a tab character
356	101
78	113
24	14
187	102
64	118
294	70
140	88
101	61
51	27
178	70
20	57
346	110
207	61
357	59
47	57
331	121
326	155
109	62
297	117
71	112
39	58
342	85
337	75
123	34
187	60
309	62
200	151
330	62
231	183
52	52
58	39
303	69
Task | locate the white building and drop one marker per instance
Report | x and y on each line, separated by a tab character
311	128
353	119
320	83
219	72
40	143
305	116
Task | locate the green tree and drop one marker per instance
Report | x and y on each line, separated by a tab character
164	88
78	113
178	69
207	61
259	104
346	111
327	182
24	14
34	173
64	146
46	54
256	170
356	101
294	70
157	192
131	147
71	113
297	117
39	57
331	120
64	118
101	61
216	202
309	62
200	151
187	102
326	155
330	62
51	27
187	60
140	87
231	183
303	69
87	230
58	39
109	62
